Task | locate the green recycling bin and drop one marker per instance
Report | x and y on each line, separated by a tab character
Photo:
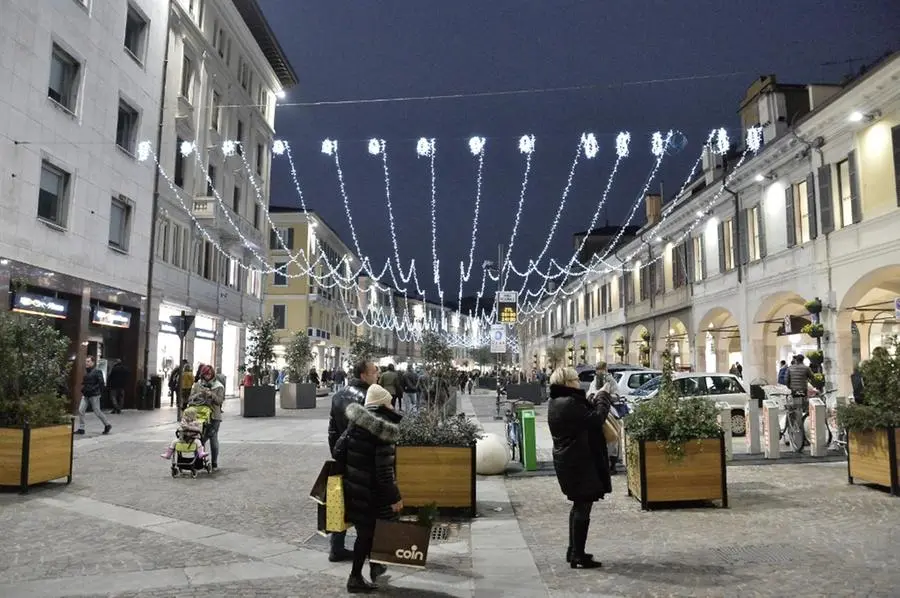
527	447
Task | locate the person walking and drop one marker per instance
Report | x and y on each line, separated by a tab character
579	456
208	390
411	388
783	373
799	377
91	390
175	384
187	383
118	380
367	451
363	375
390	381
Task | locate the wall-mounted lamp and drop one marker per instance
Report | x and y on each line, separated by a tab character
759	178
858	117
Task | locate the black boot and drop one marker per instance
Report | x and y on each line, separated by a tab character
338	552
376	570
579	539
571	536
357	584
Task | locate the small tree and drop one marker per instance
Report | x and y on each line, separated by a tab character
881	381
438	358
261	352
362	347
555	356
298	356
481	355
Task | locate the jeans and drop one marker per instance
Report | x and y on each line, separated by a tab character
365	535
212	434
412	401
95	405
117	396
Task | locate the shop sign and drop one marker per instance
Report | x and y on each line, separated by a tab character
167	328
508	306
111	317
498	338
40	305
209	335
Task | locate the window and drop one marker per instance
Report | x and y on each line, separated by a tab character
206	264
679	267
54	194
845	196
644	279
723	385
211	180
240	137
162	240
260	158
727	244
135	33
754	245
119	223
687	387
801	213
220	42
279	315
286	240
699	257
126	127
244	74
236	200
262	101
279	277
215	111
639	379
178	241
187	78
256	216
180	163
64	71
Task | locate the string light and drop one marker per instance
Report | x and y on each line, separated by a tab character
722	142
187	147
476	145
143	151
754	139
622	142
228	148
424	147
329	147
375	146
657	144
590	145
512	238
279	147
526	144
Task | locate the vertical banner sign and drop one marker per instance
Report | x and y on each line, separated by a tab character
507	307
498	338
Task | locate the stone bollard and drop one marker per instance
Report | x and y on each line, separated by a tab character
818	428
770	430
725	423
492	455
751	437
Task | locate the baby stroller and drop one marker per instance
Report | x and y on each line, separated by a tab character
185	458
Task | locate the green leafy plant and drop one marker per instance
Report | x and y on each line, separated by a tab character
555	356
34	367
428	427
482	355
298	356
818	380
261	349
363	348
427	516
814	306
813	330
815	357
672	421
645	335
881	380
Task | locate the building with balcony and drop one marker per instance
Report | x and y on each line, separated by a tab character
225	70
82	88
725	275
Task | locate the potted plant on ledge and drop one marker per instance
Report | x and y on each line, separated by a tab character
35	426
675	448
873	427
259	398
296	394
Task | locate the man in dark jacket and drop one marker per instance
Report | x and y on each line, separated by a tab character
364	375
118	380
91	389
783	373
367	453
799	377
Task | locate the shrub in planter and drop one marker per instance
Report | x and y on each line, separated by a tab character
436	460
259	399
675	448
814	306
813	330
815	357
873	427
35	427
645	336
295	394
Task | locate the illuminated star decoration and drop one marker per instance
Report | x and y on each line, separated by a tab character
329	146
424	147
476	145
187	147
622	141
143	151
374	146
722	142
279	147
526	144
657	145
590	145
228	147
754	138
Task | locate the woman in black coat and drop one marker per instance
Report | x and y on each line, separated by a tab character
579	456
366	449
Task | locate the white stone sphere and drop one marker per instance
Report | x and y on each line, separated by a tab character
491	455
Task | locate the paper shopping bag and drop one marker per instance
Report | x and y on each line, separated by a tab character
400	543
330	515
320	486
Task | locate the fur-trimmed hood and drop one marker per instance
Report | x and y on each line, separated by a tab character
381	422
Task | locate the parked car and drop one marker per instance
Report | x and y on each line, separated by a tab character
629	380
726	388
586	372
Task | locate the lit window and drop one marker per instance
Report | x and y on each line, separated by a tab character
845	197
801	213
728	243
698	258
753	245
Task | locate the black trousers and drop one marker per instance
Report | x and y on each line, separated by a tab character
579	522
365	535
397	400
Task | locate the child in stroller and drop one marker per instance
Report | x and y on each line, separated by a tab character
187	452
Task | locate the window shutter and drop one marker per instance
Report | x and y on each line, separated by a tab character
290	238
761	229
273	239
744	245
702	247
689	258
622	290
895	138
722	247
661	277
789	216
811	206
826	199
855	200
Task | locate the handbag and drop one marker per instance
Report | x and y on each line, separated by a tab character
400	543
610	431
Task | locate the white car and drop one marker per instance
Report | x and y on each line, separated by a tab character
631	380
725	388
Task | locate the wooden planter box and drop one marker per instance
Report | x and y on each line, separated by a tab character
444	475
30	456
872	456
654	478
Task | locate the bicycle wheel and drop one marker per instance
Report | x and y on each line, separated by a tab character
793	431
807	433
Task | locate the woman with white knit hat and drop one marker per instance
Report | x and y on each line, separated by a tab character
366	449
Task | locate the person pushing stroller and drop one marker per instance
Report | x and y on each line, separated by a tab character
189	437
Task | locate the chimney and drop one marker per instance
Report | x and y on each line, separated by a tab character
653	202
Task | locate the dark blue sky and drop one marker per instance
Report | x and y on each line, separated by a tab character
358	49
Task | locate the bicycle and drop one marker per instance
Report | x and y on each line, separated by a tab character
792	430
513	426
828	423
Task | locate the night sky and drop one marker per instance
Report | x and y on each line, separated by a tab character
361	49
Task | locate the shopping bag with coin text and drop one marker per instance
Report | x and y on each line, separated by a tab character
400	543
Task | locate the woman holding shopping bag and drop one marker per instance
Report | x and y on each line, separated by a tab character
366	450
579	456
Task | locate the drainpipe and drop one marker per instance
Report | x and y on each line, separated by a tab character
155	207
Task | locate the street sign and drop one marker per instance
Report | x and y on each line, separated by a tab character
498	338
182	324
507	307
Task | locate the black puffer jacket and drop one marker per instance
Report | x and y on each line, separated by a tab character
366	451
92	383
355	392
579	449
